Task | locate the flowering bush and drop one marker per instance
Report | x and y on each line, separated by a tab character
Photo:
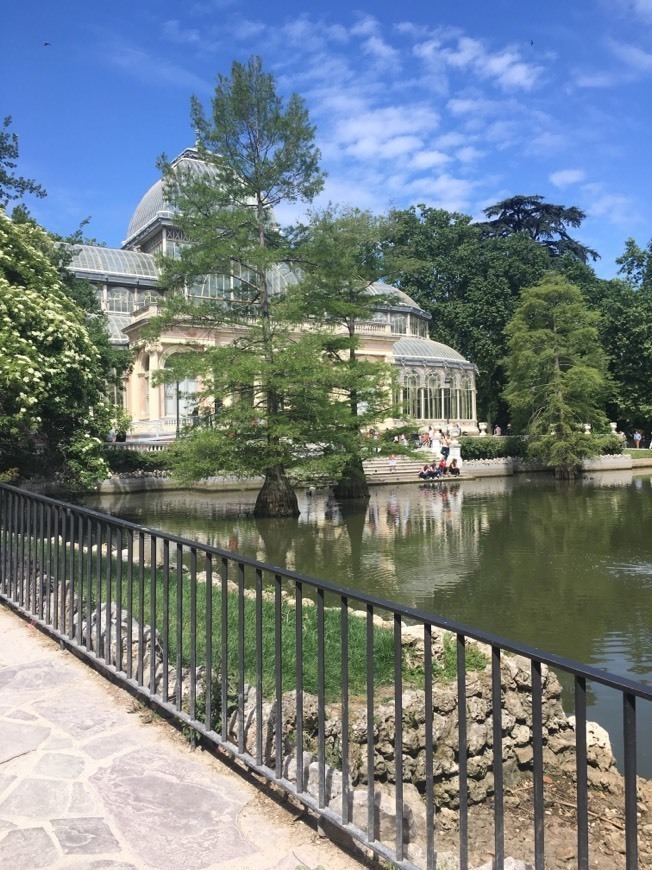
52	417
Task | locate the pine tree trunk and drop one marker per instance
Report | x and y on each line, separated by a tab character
277	498
353	482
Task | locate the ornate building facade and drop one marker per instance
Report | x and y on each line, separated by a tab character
435	384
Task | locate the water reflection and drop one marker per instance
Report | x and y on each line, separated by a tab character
567	568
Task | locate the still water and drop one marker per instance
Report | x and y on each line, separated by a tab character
567	568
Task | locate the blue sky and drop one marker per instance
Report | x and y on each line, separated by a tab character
452	104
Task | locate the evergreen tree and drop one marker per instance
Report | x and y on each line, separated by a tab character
256	152
468	284
556	373
543	222
341	260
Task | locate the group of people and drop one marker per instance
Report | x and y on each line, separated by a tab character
439	469
427	439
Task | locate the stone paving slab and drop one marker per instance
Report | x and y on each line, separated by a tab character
87	783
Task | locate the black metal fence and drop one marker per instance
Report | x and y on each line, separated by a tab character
343	700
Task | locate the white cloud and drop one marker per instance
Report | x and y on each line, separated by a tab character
174	32
443	191
631	8
368	147
428	159
469	154
384	123
616	208
505	68
154	71
547	142
473	106
565	177
245	29
376	47
633	57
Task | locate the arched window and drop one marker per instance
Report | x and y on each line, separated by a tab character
183	391
447	410
466	399
412	397
432	398
146	297
119	300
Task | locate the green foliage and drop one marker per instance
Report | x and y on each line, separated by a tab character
543	222
625	306
470	286
256	152
12	186
556	373
52	418
124	460
492	448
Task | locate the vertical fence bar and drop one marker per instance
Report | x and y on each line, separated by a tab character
152	614
224	639
130	604
89	582
321	701
14	550
371	815
27	546
259	666
298	603
141	608
73	603
208	661
581	766
80	576
57	554
398	730
241	656
165	633
193	633
118	601
178	694
21	546
108	595
344	631
98	586
65	513
4	500
41	561
463	751
631	809
497	713
278	674
537	766
428	725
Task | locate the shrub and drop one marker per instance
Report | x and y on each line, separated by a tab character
492	448
125	461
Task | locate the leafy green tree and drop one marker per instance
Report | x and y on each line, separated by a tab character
543	222
13	186
53	420
556	373
341	260
468	284
256	152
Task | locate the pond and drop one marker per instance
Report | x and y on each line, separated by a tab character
563	567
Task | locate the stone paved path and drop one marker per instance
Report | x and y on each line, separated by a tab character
86	783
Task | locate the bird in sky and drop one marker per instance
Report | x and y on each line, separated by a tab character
47	43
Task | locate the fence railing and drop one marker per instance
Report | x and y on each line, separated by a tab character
341	699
